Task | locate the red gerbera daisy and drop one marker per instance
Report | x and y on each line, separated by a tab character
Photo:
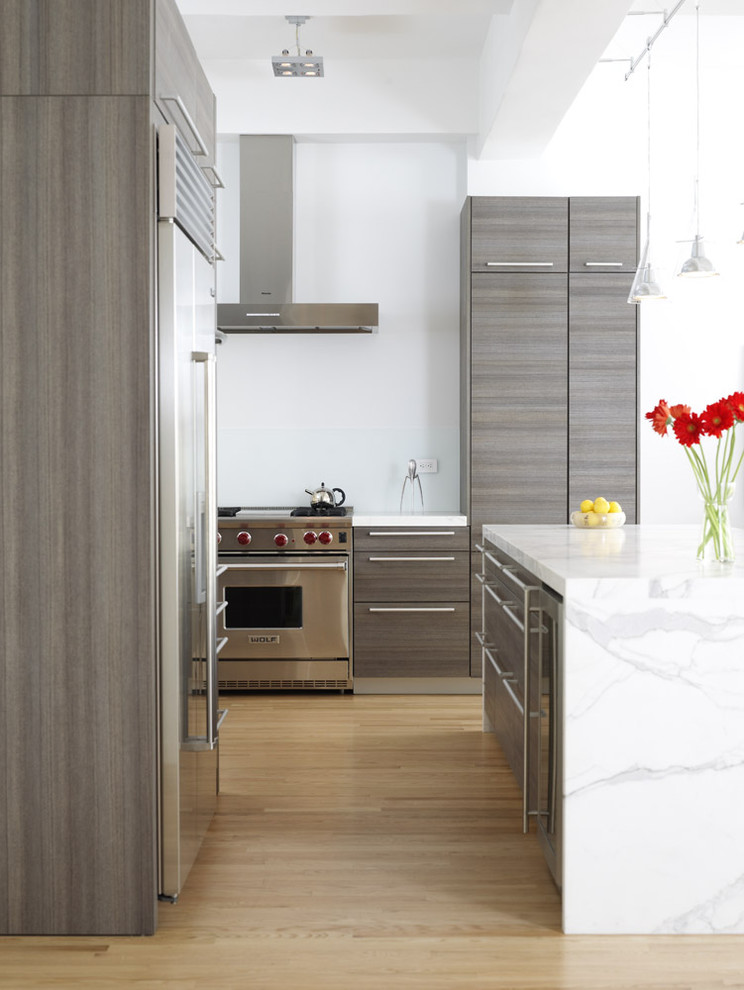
680	410
717	417
660	417
688	428
736	401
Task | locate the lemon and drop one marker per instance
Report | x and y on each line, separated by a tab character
592	518
601	504
614	507
587	505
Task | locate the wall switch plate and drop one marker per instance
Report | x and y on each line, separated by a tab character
427	465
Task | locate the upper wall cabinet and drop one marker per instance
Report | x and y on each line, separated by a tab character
519	233
603	234
182	92
85	48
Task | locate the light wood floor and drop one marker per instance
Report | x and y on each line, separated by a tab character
367	843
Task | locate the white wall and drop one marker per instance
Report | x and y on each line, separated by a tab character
379	222
375	222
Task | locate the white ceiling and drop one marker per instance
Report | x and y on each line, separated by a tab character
501	72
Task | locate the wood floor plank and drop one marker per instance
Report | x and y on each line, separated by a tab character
367	843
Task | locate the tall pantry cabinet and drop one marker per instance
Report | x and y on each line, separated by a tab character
81	83
549	362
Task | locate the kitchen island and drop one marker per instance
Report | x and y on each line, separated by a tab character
652	647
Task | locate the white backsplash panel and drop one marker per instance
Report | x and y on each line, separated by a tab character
275	466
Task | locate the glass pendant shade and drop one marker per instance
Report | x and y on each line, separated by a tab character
697	265
645	285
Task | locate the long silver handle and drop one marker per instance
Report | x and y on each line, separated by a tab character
427	609
508	568
499	601
201	148
213	176
223	713
415	532
210	514
505	675
221	608
519	264
553	647
603	264
507	607
479	548
221	643
508	685
526	657
494	560
324	565
409	558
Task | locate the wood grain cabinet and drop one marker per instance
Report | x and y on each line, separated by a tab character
78	631
549	361
411	602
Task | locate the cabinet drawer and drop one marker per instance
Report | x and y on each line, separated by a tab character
504	713
503	627
411	577
380	538
394	640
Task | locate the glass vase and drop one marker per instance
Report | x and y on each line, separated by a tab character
716	540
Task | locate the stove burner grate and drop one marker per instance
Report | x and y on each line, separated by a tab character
319	510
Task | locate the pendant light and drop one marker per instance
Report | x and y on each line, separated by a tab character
294	66
697	265
645	286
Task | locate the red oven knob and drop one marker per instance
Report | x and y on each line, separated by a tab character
219	537
325	537
244	538
281	539
310	537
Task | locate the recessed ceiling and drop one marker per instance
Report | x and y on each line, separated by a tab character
487	69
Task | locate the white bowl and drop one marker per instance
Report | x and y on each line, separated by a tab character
598	520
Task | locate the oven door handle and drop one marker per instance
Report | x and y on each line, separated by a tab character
321	565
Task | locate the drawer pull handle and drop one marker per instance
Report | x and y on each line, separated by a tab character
603	264
410	558
517	622
514	698
443	609
499	601
497	563
519	264
518	581
504	675
415	532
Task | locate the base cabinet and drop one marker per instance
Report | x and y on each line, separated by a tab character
520	642
411	602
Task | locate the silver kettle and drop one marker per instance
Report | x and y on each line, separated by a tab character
325	496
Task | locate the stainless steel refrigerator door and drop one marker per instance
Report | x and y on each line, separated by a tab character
188	768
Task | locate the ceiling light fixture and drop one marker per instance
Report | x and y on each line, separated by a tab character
697	265
299	64
645	287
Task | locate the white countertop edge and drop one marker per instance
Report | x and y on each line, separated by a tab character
661	558
419	520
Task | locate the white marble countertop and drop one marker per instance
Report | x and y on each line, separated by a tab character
409	520
633	556
651	649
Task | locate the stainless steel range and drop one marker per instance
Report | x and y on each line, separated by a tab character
284	575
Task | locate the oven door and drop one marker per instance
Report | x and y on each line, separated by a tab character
284	607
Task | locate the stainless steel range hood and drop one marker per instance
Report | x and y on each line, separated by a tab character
266	246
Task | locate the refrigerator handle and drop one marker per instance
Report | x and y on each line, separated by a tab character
210	541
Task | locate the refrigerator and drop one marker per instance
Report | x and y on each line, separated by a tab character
187	514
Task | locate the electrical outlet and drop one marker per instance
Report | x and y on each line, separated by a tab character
427	465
